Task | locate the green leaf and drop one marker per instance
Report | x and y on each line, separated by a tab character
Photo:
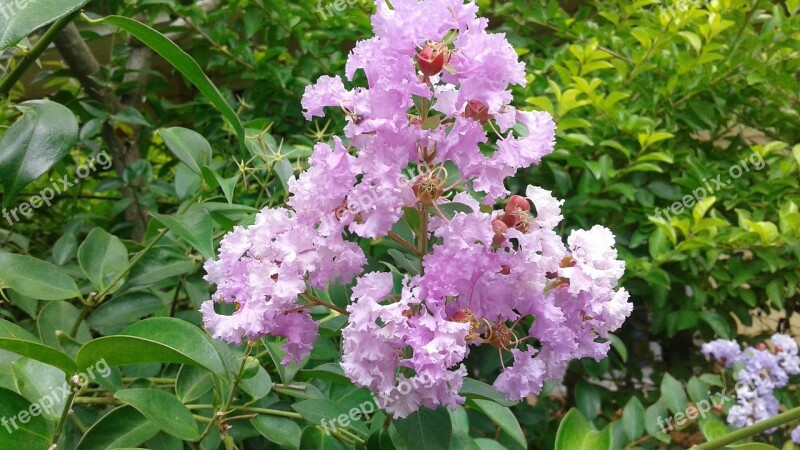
228	185
182	62
114	315
673	394
587	399
451	209
33	435
504	418
323	411
102	257
35	278
426	429
164	410
16	340
37	381
576	433
188	146
280	430
654	420
701	208
403	262
192	383
26	19
65	248
258	386
633	419
159	339
717	323
472	388
122	427
194	226
45	133
314	439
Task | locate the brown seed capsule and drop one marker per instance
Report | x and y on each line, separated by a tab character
477	110
433	58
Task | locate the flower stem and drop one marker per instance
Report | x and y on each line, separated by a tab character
744	433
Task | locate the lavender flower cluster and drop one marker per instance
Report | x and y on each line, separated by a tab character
438	85
759	372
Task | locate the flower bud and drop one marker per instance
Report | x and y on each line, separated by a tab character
433	58
761	346
477	110
517	202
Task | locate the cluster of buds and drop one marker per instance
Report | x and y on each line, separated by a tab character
433	57
516	215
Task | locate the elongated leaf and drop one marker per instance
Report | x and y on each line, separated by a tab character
576	433
159	339
33	435
35	278
188	145
40	383
426	429
504	418
102	257
322	412
164	410
23	18
280	430
44	134
122	427
193	382
195	227
181	61
314	439
19	341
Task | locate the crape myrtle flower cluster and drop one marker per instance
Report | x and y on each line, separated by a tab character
759	372
438	88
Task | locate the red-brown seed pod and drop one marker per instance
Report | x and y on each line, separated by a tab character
433	58
505	269
477	110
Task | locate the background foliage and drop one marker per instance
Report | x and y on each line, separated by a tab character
651	99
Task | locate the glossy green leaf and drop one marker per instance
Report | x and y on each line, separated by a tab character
280	430
40	383
16	340
314	439
160	339
38	140
188	146
23	18
192	383
103	257
576	433
164	410
504	418
122	427
35	278
426	429
194	226
33	435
